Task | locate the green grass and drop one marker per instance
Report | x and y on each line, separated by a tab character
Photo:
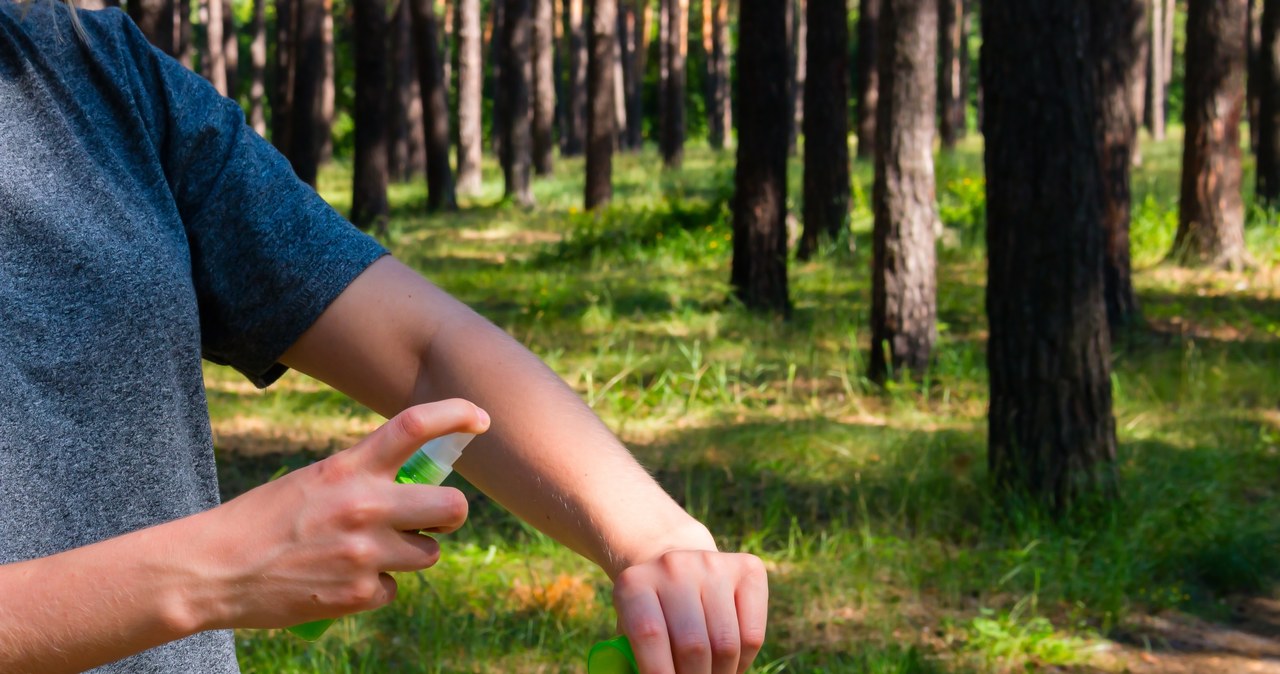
870	505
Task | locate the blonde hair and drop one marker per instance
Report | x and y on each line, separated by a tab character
72	11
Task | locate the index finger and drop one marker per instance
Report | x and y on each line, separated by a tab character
387	448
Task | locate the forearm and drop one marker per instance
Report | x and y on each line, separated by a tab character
96	604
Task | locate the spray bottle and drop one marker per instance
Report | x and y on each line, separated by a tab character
612	656
430	465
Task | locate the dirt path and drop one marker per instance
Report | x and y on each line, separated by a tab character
1176	643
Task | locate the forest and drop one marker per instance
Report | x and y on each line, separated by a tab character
961	314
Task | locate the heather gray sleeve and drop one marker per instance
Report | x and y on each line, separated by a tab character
268	255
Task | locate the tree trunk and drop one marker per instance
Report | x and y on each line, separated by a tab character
328	91
904	297
231	49
1253	92
1119	35
406	142
1211	212
719	106
215	61
498	60
1051	429
309	128
644	13
544	87
952	89
577	85
517	150
435	105
258	69
470	92
184	48
799	62
282	102
1269	107
155	18
826	125
867	76
759	275
619	84
675	49
601	115
369	207
629	44
1156	75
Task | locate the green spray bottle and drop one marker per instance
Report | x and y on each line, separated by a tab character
430	465
612	656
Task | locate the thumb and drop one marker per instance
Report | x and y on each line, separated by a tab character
387	448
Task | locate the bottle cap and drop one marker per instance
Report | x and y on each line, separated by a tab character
612	656
446	449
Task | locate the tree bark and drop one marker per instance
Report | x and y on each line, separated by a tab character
577	85
406	142
258	69
601	115
628	44
1269	107
1211	212
231	49
498	60
759	275
720	108
215	64
309	128
282	103
470	91
675	48
904	297
517	150
544	88
1156	75
1253	93
1119	36
155	18
826	125
435	105
952	89
1051	429
867	76
369	207
183	47
644	12
328	90
799	62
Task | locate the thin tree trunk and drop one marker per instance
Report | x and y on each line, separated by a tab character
576	127
619	84
328	91
517	150
724	77
867	76
407	143
1269	107
673	114
1051	430
184	48
759	275
1138	81
629	42
309	127
1253	92
645	14
826	125
601	115
1119	35
470	86
215	61
715	16
1211	213
952	89
155	18
904	297
231	49
435	106
1156	76
799	63
369	207
498	60
282	102
258	69
544	88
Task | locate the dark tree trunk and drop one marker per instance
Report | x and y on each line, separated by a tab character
517	144
328	89
799	59
215	60
867	76
904	297
629	45
470	91
498	60
952	89
601	115
1211	212
155	18
1156	74
826	125
286	75
184	49
1269	107
577	105
719	105
407	143
369	206
1253	93
759	274
544	87
1119	36
309	128
619	84
258	69
635	126
1051	429
231	49
435	105
675	50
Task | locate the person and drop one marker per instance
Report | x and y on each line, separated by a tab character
143	226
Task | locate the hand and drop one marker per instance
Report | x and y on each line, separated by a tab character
318	542
694	611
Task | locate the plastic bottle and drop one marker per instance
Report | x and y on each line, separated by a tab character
612	656
431	464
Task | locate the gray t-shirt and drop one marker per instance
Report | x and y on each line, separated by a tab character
142	225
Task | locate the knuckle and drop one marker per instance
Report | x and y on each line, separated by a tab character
361	511
364	592
454	506
358	553
725	645
691	646
755	567
414	422
647	631
752	639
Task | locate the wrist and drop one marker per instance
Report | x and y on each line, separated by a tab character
680	533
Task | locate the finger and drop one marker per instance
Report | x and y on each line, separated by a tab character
425	508
409	551
721	611
388	447
640	616
687	629
752	599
